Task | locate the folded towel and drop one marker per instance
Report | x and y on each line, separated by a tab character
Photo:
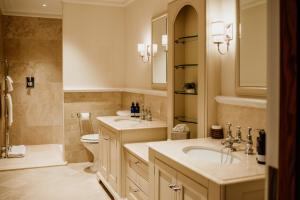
16	151
181	128
9	83
9	110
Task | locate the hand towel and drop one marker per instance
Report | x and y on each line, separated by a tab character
9	83
181	128
9	110
17	151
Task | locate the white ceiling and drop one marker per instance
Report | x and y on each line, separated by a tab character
53	8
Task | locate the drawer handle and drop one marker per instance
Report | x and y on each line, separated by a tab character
171	186
134	190
177	188
137	162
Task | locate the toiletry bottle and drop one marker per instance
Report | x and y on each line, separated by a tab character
137	113
132	110
261	147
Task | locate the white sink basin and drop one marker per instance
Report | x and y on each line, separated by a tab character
128	121
208	155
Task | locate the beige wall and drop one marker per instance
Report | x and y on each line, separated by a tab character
138	17
98	104
93	43
33	47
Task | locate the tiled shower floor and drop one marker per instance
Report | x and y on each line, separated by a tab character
36	156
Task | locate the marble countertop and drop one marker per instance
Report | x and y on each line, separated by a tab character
247	169
127	123
140	150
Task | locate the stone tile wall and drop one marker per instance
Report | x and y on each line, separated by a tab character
242	116
98	104
157	104
33	47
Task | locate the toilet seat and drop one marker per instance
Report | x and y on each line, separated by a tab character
90	138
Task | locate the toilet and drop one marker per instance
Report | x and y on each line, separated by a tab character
90	142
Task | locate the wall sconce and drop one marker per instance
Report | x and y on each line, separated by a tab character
164	42
144	51
222	33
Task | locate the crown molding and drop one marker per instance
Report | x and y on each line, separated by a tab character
26	14
100	2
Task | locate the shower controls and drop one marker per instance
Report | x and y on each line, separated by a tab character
30	82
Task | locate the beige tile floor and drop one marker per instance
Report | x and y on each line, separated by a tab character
36	156
70	182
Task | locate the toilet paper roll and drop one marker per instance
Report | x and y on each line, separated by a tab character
84	116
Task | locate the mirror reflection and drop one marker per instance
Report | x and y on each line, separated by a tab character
159	52
253	43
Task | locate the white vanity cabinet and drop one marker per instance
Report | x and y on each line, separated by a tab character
172	181
172	185
137	178
112	163
109	157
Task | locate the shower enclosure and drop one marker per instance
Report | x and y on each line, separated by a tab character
33	49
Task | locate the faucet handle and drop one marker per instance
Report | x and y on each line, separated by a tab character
228	124
249	136
249	144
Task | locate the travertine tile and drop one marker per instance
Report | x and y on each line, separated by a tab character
34	48
59	183
157	104
242	116
98	104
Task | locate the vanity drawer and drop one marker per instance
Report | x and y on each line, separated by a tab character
138	166
133	192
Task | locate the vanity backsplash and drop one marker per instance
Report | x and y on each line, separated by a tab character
158	104
242	116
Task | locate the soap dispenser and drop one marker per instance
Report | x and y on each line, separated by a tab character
132	110
261	147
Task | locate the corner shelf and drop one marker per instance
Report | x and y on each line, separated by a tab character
184	66
185	93
186	120
185	39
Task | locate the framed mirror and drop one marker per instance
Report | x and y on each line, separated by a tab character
159	52
251	65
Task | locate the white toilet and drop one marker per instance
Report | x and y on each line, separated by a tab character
91	143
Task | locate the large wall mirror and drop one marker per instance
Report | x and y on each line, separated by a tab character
251	67
159	52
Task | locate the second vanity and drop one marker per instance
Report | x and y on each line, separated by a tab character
193	169
114	132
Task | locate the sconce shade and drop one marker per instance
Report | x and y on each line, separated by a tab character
218	28
154	49
164	40
141	48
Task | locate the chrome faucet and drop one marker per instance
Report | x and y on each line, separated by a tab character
143	113
148	115
229	140
249	143
238	137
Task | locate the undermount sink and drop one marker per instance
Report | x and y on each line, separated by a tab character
208	155
128	121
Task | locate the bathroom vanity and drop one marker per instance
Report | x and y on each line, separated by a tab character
198	170
114	132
